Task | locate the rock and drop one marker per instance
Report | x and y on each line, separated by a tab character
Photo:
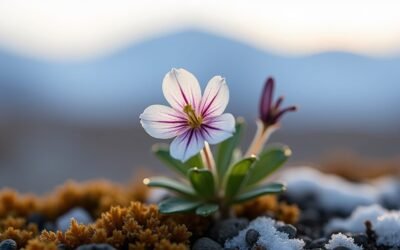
288	229
95	247
318	243
227	229
360	239
79	214
341	248
206	243
252	236
37	219
8	244
309	217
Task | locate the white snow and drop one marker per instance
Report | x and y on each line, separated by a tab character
355	223
334	193
341	240
387	228
270	238
385	223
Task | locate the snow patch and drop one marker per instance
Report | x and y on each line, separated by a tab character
355	223
333	193
387	228
341	240
269	238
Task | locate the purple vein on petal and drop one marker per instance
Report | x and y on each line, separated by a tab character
211	102
180	88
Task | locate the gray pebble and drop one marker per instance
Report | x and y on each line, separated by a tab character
8	244
252	236
227	229
318	243
95	247
288	229
206	243
79	214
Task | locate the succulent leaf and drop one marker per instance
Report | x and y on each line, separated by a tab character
207	209
226	148
236	176
202	182
170	184
177	205
269	161
271	188
162	152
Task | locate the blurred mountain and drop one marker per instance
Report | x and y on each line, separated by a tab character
334	90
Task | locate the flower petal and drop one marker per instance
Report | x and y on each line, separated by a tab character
215	98
219	128
187	145
180	88
163	122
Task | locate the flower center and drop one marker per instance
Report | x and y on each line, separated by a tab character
194	121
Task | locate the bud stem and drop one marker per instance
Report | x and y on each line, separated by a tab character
261	137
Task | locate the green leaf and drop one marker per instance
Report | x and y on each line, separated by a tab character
271	188
162	152
177	205
167	183
225	149
202	181
207	209
268	162
237	176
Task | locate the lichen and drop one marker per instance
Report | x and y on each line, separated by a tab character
268	205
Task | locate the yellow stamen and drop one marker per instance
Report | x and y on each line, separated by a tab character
194	121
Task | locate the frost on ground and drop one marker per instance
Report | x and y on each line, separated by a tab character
387	228
333	193
341	240
386	224
269	238
355	223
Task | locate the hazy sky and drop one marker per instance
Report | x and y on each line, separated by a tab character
76	28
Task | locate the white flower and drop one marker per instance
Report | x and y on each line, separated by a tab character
192	118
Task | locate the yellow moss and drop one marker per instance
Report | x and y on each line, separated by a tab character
138	226
268	205
36	244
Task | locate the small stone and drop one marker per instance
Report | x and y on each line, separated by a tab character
288	229
95	247
79	214
360	239
341	248
318	243
228	229
206	243
8	244
252	236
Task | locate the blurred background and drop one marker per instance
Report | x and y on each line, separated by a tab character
75	75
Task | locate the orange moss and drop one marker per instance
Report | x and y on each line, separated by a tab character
138	226
18	230
268	205
36	244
